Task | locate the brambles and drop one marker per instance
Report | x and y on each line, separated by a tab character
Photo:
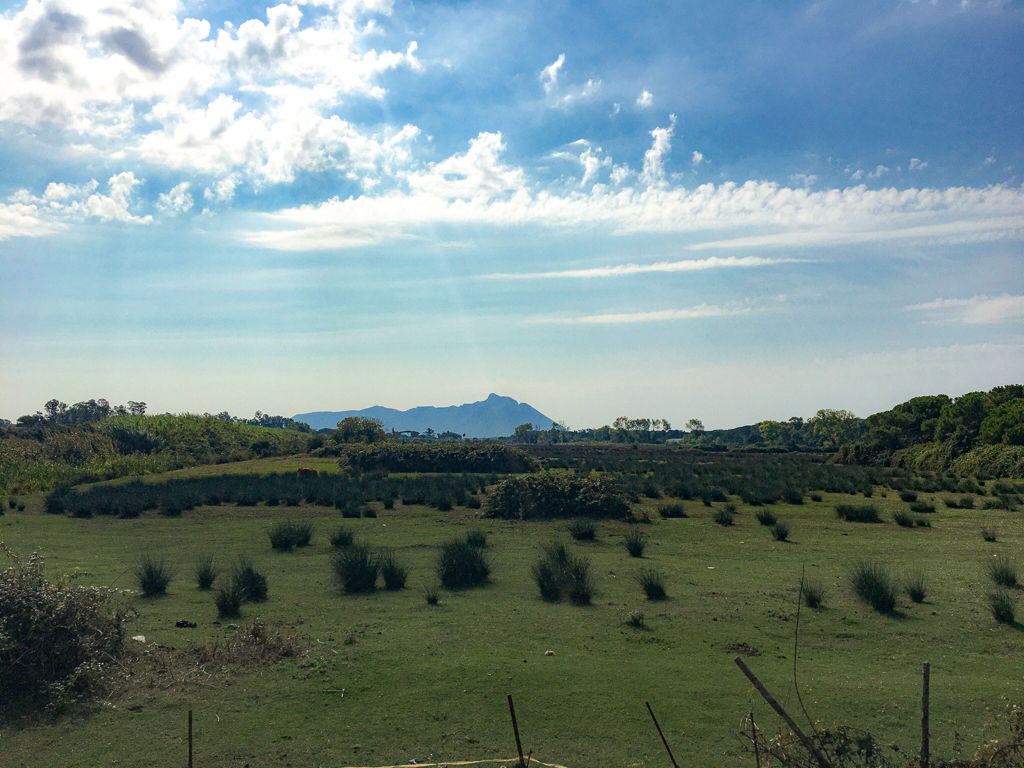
583	530
814	595
873	584
989	534
206	572
724	516
356	569
558	571
652	582
1001	603
780	531
1003	572
153	576
867	513
342	537
915	587
287	534
395	573
251	582
635	543
766	518
673	511
555	494
460	564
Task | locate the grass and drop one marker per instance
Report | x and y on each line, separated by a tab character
450	661
342	537
636	543
460	564
867	513
1003	572
873	584
780	531
652	582
206	572
356	569
766	518
724	516
814	595
583	529
1003	606
915	587
153	576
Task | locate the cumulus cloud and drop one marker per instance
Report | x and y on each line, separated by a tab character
176	200
565	96
653	173
25	220
645	100
696	158
477	174
976	310
60	201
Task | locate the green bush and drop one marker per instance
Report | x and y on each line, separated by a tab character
252	583
342	537
673	511
555	494
635	543
395	573
460	565
814	595
636	619
1002	605
229	598
922	507
766	518
902	519
915	587
867	513
652	582
780	531
873	584
476	538
153	576
443	457
287	534
724	517
356	569
430	594
1003	572
206	572
583	530
989	534
557	571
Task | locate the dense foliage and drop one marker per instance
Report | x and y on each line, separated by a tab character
554	494
441	457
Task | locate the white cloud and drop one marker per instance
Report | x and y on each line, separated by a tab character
625	270
880	170
221	191
916	164
645	100
696	157
803	179
549	75
478	174
25	220
976	310
176	200
563	97
990	160
61	201
653	173
698	312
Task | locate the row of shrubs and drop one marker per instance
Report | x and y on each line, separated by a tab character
437	457
550	495
345	492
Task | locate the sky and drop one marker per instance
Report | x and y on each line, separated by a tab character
729	211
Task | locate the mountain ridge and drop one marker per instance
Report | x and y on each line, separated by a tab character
495	416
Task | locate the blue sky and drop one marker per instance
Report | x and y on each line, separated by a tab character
730	211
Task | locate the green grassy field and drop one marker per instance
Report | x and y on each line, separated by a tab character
389	679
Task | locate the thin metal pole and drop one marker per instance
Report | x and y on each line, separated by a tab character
663	739
515	727
926	674
766	694
190	738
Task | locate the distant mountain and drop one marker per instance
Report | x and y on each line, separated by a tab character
496	416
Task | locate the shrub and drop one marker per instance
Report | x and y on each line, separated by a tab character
988	534
1001	603
252	583
814	595
874	585
460	564
579	585
395	573
476	538
1003	572
153	576
908	496
765	517
922	507
430	594
921	522
652	582
966	502
58	637
867	513
780	531
356	569
724	517
815	497
635	542
555	494
287	534
206	572
915	587
558	571
636	619
342	537
12	502
228	599
902	519
583	529
547	576
673	511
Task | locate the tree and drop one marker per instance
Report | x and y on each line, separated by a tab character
832	427
359	429
522	432
696	426
136	408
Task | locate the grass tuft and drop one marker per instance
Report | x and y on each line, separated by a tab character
395	572
635	542
652	582
1002	605
814	595
915	587
873	584
206	572
766	518
356	569
153	576
341	538
460	564
583	529
252	583
867	513
1003	572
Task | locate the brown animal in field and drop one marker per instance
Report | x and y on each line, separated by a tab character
307	472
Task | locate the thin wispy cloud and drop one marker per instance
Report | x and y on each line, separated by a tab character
976	310
625	270
699	312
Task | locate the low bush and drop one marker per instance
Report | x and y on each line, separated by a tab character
873	584
583	529
908	496
430	594
922	507
724	517
635	543
989	534
815	497
206	572
252	583
636	619
1003	572
867	513
673	511
557	571
915	587
287	534
780	531
394	572
56	637
228	599
153	576
902	519
460	565
555	494
1001	603
652	582
579	584
814	595
356	569
766	518
342	537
